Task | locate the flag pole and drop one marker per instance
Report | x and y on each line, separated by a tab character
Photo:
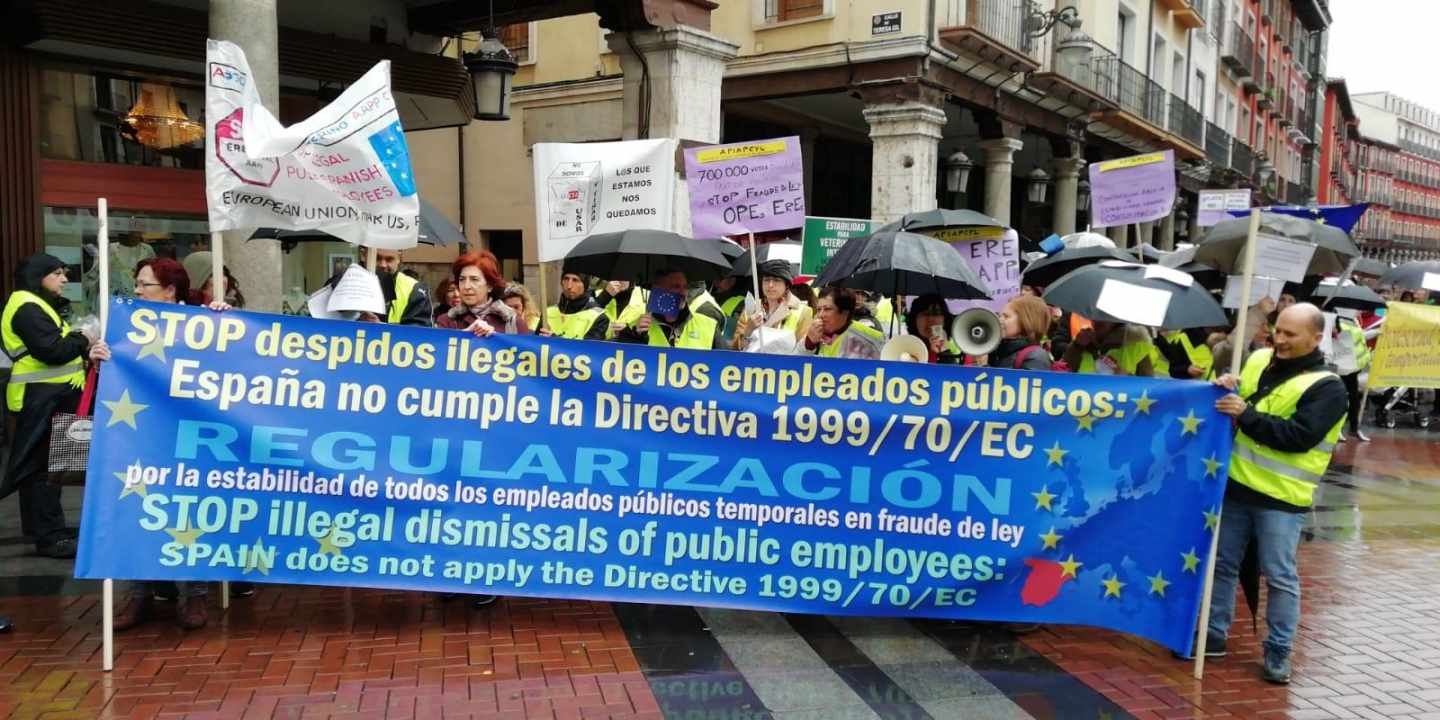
1241	340
755	273
217	267
107	586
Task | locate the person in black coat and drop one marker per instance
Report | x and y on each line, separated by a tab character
41	338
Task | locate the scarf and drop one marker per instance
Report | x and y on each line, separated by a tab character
484	310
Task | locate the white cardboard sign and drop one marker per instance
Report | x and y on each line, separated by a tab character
587	188
1281	257
1133	303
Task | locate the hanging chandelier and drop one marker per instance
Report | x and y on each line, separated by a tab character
159	122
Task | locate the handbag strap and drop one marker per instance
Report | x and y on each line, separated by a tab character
87	398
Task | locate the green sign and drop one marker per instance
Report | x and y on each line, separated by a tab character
823	238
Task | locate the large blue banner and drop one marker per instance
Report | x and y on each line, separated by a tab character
279	449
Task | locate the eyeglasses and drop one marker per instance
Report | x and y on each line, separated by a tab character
148	285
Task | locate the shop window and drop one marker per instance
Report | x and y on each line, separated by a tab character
71	234
783	10
96	117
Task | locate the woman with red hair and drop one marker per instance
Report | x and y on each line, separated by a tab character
481	309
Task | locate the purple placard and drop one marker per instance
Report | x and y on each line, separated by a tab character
745	187
994	255
1215	205
1133	189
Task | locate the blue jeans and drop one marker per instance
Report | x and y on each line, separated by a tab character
1277	534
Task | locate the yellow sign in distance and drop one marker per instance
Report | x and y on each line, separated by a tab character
1134	161
737	152
1408	351
964	234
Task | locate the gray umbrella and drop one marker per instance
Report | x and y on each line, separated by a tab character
1411	275
1371	266
636	255
1047	270
1356	297
1081	290
936	219
435	229
1223	246
903	263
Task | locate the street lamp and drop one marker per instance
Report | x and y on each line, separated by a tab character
1039	186
492	69
957	172
1073	53
1082	196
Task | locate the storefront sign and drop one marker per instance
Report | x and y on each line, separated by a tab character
243	446
1217	206
345	170
587	188
1132	190
824	236
745	187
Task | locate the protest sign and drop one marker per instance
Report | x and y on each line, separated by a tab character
295	450
824	236
587	188
1219	205
994	254
1260	287
745	187
1280	257
345	170
1135	189
1408	351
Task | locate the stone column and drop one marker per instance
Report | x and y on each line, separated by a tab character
251	25
1167	232
808	137
999	164
1067	187
1120	234
905	147
685	69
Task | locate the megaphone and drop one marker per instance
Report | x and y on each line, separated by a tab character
976	331
905	348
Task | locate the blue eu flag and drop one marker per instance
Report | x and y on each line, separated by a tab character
1341	216
394	154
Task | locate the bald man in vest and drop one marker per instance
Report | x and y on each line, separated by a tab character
1288	409
406	300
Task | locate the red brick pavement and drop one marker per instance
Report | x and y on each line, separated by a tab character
303	653
1369	639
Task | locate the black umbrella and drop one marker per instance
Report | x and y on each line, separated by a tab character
903	263
1412	275
787	250
435	229
1224	244
1150	253
1082	291
936	219
1355	297
1371	266
1044	271
730	249
1207	276
636	255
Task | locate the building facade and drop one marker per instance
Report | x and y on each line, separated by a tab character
1400	146
884	94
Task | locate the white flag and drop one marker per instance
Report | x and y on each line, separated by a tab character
345	170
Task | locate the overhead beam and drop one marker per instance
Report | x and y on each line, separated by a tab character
452	17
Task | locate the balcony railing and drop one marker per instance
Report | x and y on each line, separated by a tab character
1187	122
1135	93
1239	52
1217	145
992	29
1242	159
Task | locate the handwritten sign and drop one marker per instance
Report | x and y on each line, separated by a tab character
1281	257
587	188
745	187
994	254
1408	351
824	236
1133	189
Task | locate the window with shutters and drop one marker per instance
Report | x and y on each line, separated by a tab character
516	39
783	10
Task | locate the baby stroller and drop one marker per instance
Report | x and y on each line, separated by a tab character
1402	401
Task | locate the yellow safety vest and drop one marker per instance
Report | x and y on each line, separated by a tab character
1200	357
573	326
1356	337
626	317
698	333
404	285
1289	477
1127	357
27	369
865	332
